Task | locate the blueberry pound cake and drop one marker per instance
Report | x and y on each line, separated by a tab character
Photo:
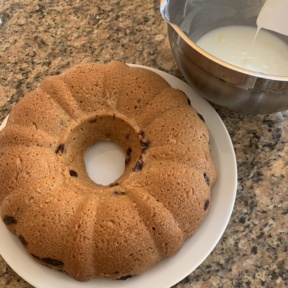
72	224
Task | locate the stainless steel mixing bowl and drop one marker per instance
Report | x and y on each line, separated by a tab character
220	82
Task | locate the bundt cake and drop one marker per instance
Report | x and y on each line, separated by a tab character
68	222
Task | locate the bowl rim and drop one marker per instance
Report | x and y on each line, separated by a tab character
224	63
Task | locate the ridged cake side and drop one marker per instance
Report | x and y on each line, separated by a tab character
68	222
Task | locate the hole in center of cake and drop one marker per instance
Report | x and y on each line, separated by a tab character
105	162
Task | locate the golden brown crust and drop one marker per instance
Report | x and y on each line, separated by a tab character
68	222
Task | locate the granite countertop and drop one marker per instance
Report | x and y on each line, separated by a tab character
40	38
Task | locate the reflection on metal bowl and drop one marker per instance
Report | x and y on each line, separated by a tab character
220	82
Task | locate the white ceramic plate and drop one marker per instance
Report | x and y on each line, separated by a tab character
169	271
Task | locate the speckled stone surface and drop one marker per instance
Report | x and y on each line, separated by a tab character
40	38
